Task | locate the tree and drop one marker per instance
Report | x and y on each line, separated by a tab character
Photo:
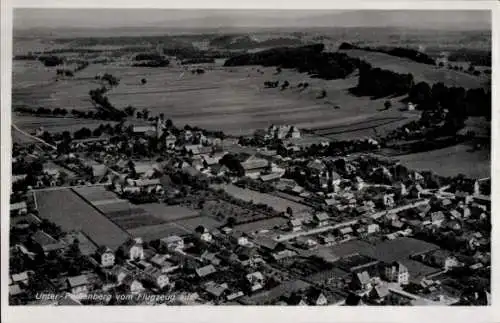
200	229
289	211
145	114
129	110
143	81
387	105
231	221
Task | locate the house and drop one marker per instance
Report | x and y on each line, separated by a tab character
219	170
388	200
345	232
397	272
327	239
134	249
306	242
400	189
253	166
239	238
79	285
18	208
217	291
271	177
15	290
173	242
295	224
134	285
142	130
157	276
316	297
321	219
416	191
283	256
455	214
256	280
361	281
106	257
316	166
210	257
379	292
397	224
170	141
47	242
205	271
437	218
99	170
21	278
235	295
206	237
372	228
162	262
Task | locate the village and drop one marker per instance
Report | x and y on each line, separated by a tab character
156	214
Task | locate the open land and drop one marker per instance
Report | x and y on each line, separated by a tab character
277	203
421	72
209	99
450	161
71	212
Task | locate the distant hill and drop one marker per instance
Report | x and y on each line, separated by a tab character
247	42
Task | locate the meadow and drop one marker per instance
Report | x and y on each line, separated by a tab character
208	100
451	161
277	203
421	72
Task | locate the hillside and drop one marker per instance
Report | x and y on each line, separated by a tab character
421	72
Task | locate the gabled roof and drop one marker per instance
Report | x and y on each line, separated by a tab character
43	238
323	216
79	280
316	165
363	277
205	271
253	162
18	206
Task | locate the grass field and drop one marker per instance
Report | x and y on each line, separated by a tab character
168	213
451	161
71	212
421	72
31	123
208	100
277	203
154	232
267	224
370	127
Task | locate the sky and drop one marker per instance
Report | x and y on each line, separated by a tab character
27	18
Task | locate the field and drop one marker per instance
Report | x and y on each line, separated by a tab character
209	99
180	227
451	161
54	124
169	213
226	209
369	127
71	212
267	224
421	72
277	203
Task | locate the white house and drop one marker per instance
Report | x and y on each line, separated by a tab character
397	272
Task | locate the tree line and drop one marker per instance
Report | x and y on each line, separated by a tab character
309	59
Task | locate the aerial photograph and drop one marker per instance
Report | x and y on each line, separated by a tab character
250	157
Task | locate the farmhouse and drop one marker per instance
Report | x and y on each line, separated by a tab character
18	208
253	166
